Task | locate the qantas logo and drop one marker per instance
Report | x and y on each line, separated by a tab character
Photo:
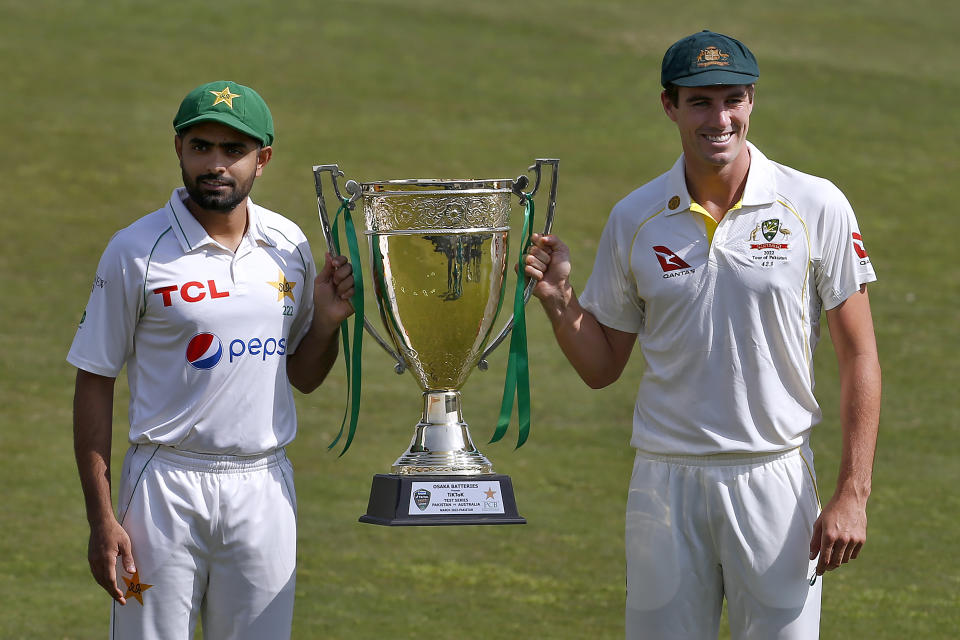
669	261
190	292
858	246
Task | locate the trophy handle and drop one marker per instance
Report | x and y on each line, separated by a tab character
353	189
518	185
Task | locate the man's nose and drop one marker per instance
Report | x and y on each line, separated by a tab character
217	162
721	116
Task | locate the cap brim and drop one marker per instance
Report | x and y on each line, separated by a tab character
714	77
223	118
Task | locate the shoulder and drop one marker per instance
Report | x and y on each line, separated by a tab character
641	204
139	239
279	227
808	194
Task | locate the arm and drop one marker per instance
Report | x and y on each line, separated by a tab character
316	353
92	430
597	352
841	530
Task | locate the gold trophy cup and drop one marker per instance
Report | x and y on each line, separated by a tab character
439	263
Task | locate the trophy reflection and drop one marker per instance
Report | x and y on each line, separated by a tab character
439	264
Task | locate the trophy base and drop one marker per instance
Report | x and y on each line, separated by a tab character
432	500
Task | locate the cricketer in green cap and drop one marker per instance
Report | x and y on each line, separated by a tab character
708	58
713	268
229	103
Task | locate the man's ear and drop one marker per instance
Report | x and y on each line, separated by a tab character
263	157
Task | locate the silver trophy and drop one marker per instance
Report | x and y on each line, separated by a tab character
439	254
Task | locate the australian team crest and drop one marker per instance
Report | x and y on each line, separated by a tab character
769	228
421	498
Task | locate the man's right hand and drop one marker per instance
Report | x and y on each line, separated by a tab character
107	542
548	262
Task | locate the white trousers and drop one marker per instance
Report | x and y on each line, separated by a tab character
213	537
699	529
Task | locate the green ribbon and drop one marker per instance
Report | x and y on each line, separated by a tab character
350	356
517	381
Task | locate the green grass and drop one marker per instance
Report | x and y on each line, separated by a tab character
862	92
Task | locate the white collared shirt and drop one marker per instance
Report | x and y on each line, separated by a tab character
727	327
203	331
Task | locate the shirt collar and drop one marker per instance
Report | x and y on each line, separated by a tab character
761	187
191	233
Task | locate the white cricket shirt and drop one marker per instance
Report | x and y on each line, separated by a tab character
203	331
727	327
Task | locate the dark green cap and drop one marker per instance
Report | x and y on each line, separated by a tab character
708	58
229	103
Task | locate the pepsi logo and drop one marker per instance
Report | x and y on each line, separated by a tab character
204	351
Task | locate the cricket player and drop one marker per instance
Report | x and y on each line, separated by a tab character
214	306
720	269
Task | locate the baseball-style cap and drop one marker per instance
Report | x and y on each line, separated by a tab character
229	103
707	58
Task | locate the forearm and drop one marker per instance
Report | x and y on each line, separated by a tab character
598	354
315	356
860	389
92	434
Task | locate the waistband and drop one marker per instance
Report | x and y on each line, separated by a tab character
728	459
215	463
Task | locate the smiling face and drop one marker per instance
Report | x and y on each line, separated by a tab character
219	165
713	123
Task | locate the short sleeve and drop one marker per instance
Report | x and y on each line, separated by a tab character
611	292
842	263
304	315
104	338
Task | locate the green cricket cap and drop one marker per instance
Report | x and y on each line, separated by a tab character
229	103
708	58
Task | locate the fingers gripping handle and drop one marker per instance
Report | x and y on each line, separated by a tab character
353	188
519	185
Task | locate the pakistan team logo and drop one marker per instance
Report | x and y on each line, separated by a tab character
769	229
421	498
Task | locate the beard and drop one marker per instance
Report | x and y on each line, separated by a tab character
222	202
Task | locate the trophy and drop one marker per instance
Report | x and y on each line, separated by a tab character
439	263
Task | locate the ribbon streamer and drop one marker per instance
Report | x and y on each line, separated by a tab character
351	356
517	381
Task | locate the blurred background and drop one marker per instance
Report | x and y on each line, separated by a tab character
863	92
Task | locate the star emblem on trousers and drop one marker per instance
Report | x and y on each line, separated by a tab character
135	588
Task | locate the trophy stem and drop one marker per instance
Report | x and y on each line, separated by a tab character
441	443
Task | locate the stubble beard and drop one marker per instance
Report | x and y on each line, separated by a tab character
216	202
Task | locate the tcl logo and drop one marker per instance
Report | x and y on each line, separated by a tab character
190	292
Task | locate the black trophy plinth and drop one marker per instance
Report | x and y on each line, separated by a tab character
415	500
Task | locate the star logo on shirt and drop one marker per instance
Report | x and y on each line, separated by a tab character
224	96
135	588
283	286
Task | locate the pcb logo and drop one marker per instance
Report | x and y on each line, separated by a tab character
769	229
421	498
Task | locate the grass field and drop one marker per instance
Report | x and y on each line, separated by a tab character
863	92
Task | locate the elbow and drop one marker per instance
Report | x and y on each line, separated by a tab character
599	380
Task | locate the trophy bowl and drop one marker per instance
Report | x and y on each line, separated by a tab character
439	254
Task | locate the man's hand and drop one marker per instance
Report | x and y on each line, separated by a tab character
332	291
107	542
548	262
839	533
